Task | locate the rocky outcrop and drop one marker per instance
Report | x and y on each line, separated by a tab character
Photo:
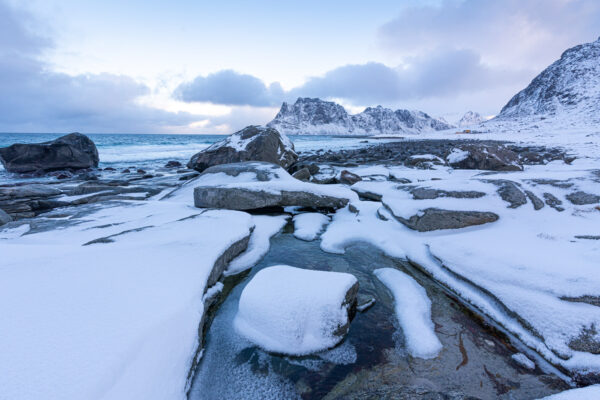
4	218
253	143
490	157
433	219
349	178
73	151
510	192
312	116
581	198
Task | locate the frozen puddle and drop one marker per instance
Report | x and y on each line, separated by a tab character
373	360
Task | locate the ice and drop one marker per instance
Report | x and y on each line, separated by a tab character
528	271
294	311
586	393
115	319
264	228
413	310
307	226
523	360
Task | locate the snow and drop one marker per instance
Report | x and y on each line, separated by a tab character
109	320
456	156
586	393
264	228
520	271
523	360
294	311
307	226
413	310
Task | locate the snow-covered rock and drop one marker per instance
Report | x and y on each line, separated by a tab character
253	143
307	226
470	118
413	310
586	393
254	185
310	116
565	94
296	311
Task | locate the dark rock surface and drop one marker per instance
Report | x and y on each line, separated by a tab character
510	192
423	193
538	204
302	174
349	178
253	143
434	219
246	199
553	201
491	157
73	151
581	198
4	218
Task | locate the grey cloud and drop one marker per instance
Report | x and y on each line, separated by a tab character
527	34
230	88
36	99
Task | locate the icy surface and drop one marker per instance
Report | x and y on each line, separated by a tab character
113	319
531	271
307	226
264	228
523	360
413	310
586	393
293	311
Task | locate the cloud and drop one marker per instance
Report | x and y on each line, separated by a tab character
34	98
525	34
230	88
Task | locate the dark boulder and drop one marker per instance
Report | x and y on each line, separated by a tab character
492	157
73	151
253	143
349	178
302	174
581	198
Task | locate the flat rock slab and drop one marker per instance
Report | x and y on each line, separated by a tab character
422	193
582	198
257	185
296	311
433	219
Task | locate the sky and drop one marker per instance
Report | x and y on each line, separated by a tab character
192	66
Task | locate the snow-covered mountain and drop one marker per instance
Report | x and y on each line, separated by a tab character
566	94
308	116
470	118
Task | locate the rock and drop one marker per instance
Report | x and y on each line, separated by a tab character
4	218
553	202
173	164
582	198
109	169
73	151
434	219
509	192
349	178
29	191
302	174
141	171
261	185
126	171
538	204
296	311
421	193
312	167
253	143
491	157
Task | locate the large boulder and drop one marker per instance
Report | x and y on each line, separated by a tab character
73	151
491	157
253	143
256	185
296	311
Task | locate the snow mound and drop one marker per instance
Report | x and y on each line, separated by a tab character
296	311
413	309
307	226
586	393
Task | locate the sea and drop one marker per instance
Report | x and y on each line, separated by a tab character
151	150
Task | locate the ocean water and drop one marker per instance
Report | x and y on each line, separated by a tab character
152	150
